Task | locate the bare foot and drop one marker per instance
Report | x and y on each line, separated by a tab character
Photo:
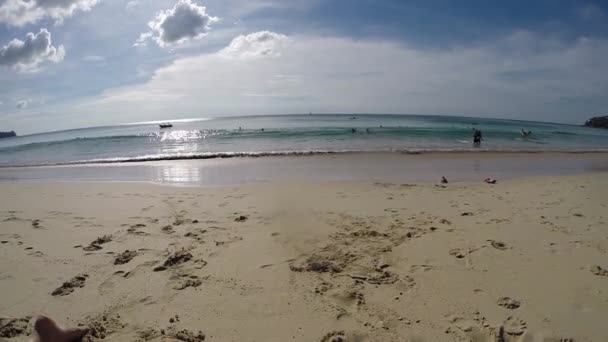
49	331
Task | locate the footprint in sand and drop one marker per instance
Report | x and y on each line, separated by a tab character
69	286
133	229
334	336
96	244
498	244
509	303
186	335
558	339
100	327
168	229
461	253
458	253
421	268
12	327
347	299
512	326
36	254
196	234
316	264
107	286
125	257
185	281
380	277
174	259
463	324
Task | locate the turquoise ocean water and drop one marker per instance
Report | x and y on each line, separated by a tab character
292	135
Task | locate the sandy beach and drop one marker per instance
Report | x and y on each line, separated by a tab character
521	260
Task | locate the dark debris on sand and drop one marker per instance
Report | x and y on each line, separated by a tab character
69	286
12	327
125	257
96	245
176	258
241	218
597	270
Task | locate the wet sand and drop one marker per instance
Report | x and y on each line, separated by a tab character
522	260
382	167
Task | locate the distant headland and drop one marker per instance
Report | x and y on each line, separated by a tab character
598	122
7	134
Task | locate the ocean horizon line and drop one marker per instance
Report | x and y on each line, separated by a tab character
231	117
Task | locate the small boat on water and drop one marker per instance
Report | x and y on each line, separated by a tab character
165	125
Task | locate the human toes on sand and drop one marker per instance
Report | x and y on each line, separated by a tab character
49	331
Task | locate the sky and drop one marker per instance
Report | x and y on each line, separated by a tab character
78	63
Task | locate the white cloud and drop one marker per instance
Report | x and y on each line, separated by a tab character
22	104
258	44
28	54
522	75
132	4
185	21
22	12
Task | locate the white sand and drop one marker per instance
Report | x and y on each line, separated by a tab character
402	262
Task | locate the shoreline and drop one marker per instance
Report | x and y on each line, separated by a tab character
389	167
373	262
294	154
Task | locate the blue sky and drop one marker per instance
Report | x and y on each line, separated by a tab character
75	63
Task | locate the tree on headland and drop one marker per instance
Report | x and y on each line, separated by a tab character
598	122
8	134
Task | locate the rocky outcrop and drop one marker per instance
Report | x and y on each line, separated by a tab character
8	134
598	122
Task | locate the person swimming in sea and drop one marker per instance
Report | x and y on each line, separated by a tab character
525	134
477	137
